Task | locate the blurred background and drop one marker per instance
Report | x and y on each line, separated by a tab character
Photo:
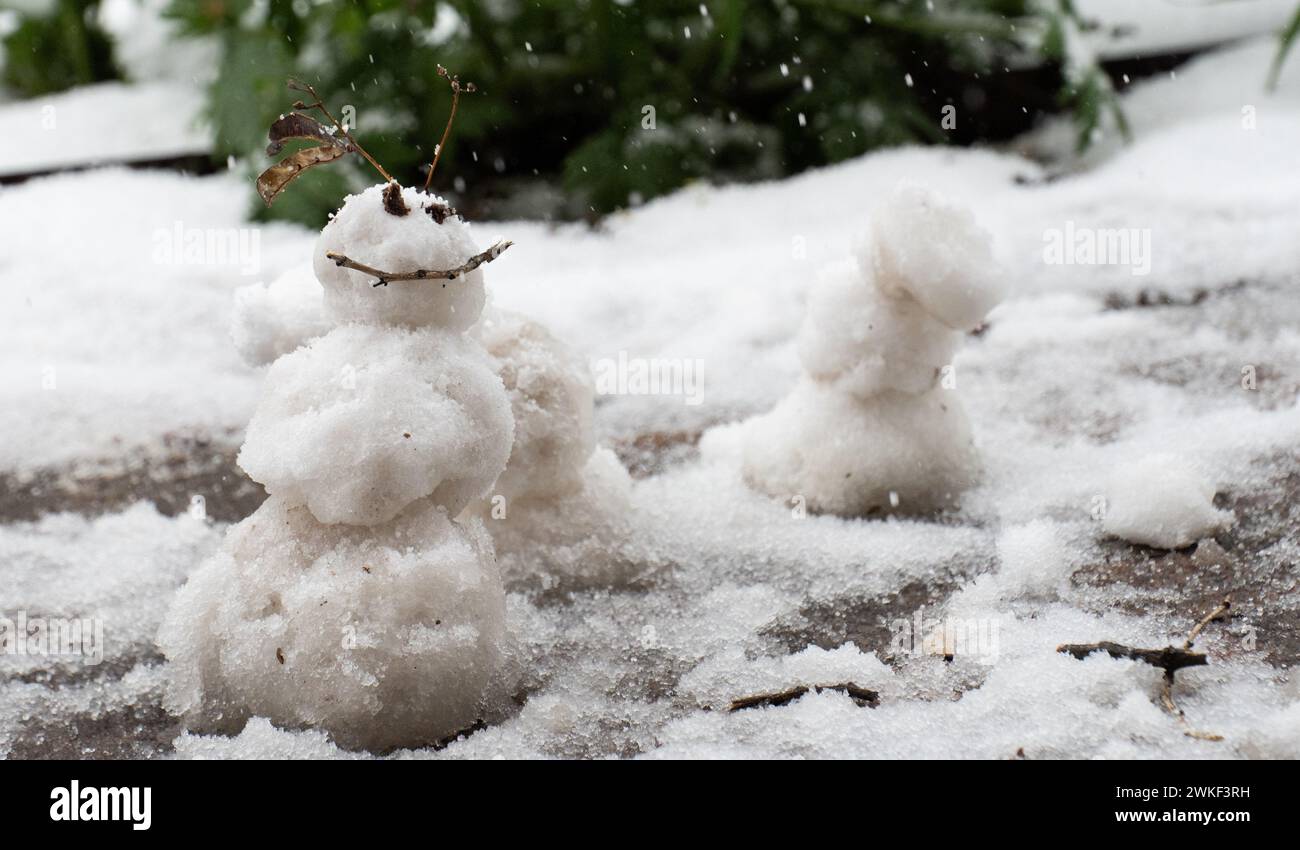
734	90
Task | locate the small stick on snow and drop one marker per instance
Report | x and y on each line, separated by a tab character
1167	700
1167	691
382	277
1206	620
864	697
1171	659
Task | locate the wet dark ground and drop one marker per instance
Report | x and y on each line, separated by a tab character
187	466
1245	561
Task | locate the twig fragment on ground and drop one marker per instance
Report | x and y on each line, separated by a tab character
864	697
1206	620
1171	659
1167	687
1167	700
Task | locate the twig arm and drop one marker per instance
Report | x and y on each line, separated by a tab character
382	278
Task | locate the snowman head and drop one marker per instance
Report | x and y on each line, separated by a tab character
428	235
390	255
922	244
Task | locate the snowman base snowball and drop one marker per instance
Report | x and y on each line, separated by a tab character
383	636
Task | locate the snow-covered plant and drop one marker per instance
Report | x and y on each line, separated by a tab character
870	426
50	46
1286	39
352	600
1086	87
740	91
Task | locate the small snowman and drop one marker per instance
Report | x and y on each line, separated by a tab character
873	424
562	510
352	600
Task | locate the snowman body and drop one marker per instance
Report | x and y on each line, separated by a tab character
874	424
352	600
562	509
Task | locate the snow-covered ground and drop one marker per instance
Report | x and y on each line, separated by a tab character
1127	29
115	359
69	130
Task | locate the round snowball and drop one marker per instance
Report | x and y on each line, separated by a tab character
389	636
364	231
866	341
1162	502
936	252
367	419
846	455
551	398
270	321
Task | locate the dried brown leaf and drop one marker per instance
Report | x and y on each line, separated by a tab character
272	181
295	125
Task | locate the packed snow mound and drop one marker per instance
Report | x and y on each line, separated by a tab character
586	537
935	251
868	341
1162	501
270	321
386	636
851	456
365	232
551	397
367	419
